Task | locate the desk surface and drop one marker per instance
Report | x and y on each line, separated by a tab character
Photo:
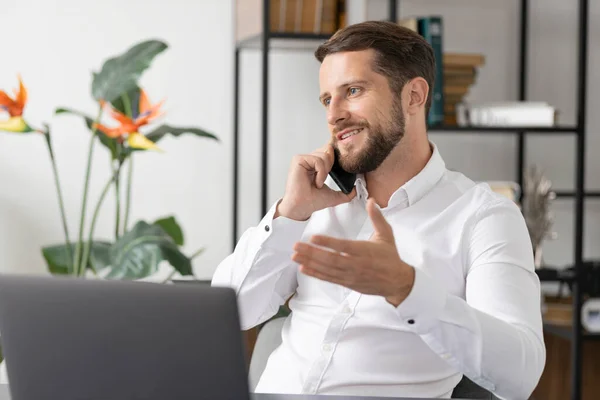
317	397
5	395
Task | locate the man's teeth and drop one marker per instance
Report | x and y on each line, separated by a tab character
354	132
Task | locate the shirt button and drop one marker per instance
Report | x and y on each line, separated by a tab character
267	228
411	321
326	347
346	310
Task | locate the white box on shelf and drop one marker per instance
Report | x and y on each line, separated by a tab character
512	114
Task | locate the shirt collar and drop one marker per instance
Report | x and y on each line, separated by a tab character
424	181
417	187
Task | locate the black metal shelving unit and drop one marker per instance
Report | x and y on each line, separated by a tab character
267	41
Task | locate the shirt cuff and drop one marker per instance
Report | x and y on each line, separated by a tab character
420	311
281	233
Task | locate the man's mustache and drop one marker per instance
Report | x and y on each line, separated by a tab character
359	124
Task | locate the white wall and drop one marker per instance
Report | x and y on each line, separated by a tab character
55	45
60	42
297	122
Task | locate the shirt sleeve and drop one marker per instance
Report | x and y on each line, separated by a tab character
260	268
494	335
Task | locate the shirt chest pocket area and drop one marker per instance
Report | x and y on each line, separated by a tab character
318	293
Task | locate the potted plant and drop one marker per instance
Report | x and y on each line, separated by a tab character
125	124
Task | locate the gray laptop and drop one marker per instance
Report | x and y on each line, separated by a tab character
66	338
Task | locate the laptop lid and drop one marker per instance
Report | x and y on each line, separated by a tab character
67	338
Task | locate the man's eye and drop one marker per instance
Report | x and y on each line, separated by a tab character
326	102
353	90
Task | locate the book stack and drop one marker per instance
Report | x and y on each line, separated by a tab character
305	16
460	73
432	29
299	17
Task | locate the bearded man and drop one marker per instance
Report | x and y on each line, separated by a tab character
418	277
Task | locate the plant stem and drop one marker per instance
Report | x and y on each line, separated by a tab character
117	179
61	202
128	194
88	244
197	253
85	194
168	278
129	113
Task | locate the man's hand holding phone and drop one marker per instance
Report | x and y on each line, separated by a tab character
305	190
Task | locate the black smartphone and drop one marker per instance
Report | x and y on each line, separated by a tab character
345	180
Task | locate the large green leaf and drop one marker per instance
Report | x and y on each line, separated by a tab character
158	133
120	74
110	143
138	253
99	256
132	97
172	228
59	263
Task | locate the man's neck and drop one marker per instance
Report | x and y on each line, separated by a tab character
408	159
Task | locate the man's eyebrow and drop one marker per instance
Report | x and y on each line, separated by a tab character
322	96
345	84
354	82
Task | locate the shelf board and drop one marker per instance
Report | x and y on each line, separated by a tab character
555	275
503	129
562	331
571	193
565	331
591	336
285	41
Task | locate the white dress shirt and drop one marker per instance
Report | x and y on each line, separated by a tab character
474	308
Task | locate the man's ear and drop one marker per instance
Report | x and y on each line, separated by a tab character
417	90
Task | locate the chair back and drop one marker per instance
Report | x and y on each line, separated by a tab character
268	339
467	389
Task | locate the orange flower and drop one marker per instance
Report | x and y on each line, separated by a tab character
130	127
14	108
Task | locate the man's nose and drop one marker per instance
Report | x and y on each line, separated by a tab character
337	112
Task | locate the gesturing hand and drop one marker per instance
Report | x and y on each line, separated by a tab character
371	267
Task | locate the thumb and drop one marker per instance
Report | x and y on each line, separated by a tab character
339	197
383	230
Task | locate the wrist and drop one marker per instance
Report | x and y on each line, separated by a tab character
286	211
404	283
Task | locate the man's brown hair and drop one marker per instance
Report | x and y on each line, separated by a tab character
401	53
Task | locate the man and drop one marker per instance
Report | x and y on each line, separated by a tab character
417	277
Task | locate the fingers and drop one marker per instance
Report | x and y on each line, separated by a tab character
351	247
325	153
312	267
316	163
383	230
308	255
321	162
306	262
328	151
320	274
342	197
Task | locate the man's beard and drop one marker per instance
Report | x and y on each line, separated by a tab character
379	144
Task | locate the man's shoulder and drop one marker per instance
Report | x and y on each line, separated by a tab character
480	195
